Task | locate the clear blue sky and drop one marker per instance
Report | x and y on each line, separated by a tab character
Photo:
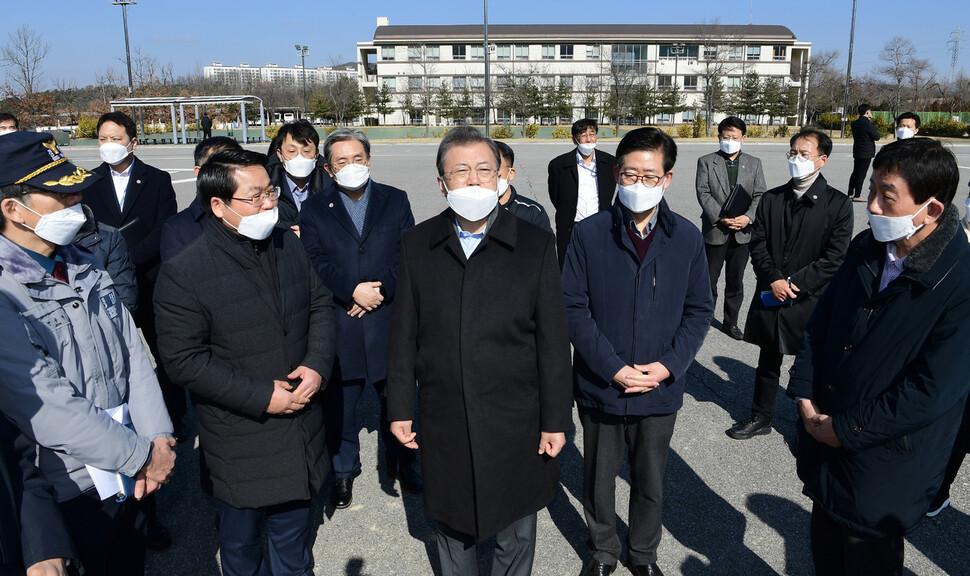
86	36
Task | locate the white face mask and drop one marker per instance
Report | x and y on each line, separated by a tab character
7	131
58	227
113	153
472	203
586	148
640	198
892	228
352	176
730	147
903	133
800	168
256	226
503	186
966	215
299	166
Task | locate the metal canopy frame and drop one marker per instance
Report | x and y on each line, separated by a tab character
196	101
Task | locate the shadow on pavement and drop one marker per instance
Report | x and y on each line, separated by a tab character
791	522
945	540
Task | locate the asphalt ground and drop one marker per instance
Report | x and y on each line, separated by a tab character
730	507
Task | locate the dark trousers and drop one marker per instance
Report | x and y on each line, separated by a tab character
841	551
733	257
604	438
766	382
857	181
515	550
343	432
206	133
241	547
109	536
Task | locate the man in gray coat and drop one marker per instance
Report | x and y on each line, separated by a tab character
723	176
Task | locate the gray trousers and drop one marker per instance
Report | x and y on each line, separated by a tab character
515	550
604	438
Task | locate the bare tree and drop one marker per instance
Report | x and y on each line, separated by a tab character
921	77
24	52
897	57
826	84
715	65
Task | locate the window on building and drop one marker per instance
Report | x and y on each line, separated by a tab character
592	52
754	53
478	52
711	52
432	52
690	83
503	115
565	51
387	52
459	82
503	52
434	82
547	81
688	115
458	52
779	52
478	83
665	80
664	118
390	83
733	82
548	51
630	55
501	82
567	80
414	52
415	83
673	51
521	51
736	53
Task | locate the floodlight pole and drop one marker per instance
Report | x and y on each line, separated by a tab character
488	95
124	16
848	71
303	52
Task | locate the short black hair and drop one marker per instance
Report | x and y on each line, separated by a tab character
217	177
863	108
121	119
4	116
732	122
505	151
210	146
906	115
14	191
463	136
821	139
301	131
581	126
929	169
648	139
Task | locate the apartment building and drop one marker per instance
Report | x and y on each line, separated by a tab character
589	59
245	75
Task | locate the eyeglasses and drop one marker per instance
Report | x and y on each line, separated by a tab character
271	194
461	175
631	178
791	154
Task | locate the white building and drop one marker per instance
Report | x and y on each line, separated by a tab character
418	59
244	74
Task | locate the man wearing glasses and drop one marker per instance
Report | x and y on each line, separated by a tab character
479	332
798	241
634	337
245	324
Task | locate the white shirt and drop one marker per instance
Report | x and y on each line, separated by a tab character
588	202
299	194
120	180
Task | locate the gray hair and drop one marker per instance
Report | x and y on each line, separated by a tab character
343	135
463	136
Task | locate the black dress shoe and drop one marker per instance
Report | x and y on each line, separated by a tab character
410	480
749	427
158	537
732	331
343	492
598	569
651	570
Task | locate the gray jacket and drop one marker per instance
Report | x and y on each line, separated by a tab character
713	189
69	352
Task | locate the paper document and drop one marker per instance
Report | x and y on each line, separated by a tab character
114	484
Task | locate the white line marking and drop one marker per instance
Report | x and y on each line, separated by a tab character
183	181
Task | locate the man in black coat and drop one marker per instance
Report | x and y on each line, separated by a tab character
864	136
881	377
352	234
294	167
246	325
581	182
799	239
206	124
479	322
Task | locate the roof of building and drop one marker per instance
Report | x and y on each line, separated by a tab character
599	32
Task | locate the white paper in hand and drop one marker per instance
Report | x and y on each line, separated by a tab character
113	484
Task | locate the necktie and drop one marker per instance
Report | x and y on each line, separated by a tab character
60	272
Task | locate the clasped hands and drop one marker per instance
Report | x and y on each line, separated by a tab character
737	223
641	378
367	297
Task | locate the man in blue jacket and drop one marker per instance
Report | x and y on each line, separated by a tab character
352	234
639	302
881	377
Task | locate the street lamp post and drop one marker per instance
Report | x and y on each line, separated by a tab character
488	99
676	50
303	52
124	16
848	71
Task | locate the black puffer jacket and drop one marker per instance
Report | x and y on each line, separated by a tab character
109	247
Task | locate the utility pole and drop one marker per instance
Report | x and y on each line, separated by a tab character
131	86
848	70
488	95
303	52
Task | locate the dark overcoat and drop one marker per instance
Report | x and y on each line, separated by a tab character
889	367
484	342
225	332
807	245
564	192
344	258
864	136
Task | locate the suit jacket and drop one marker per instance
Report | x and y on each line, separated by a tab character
343	258
564	192
180	230
713	188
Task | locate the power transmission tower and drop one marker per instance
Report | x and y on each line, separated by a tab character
956	41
